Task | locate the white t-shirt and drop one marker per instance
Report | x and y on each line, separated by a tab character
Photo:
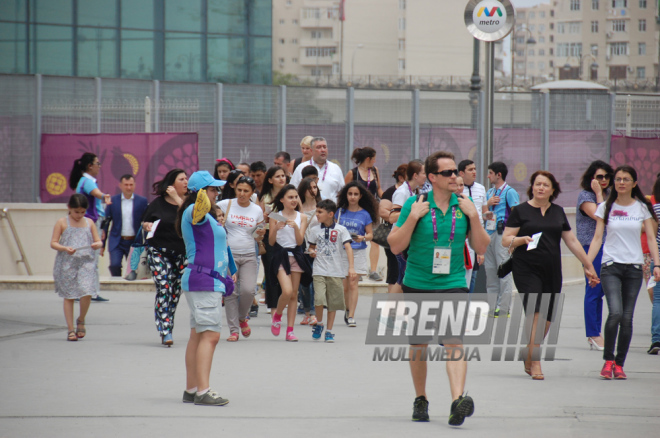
623	243
331	259
240	224
478	194
402	194
286	237
331	178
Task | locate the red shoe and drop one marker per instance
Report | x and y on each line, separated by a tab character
305	320
618	373
606	372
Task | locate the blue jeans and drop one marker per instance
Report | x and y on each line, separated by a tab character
593	301
655	313
621	283
117	256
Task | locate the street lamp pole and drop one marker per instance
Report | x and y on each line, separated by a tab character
359	46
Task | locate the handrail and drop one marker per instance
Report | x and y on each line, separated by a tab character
4	214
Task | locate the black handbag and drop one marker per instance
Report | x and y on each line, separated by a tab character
505	268
380	233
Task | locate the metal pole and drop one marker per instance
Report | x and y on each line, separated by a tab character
37	140
415	123
488	118
611	124
350	121
282	121
475	83
218	119
147	114
482	169
156	105
628	116
546	132
99	95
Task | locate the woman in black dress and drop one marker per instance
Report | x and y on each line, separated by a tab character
539	270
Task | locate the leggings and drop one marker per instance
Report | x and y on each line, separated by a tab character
237	305
166	268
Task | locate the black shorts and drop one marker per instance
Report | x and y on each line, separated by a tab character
392	267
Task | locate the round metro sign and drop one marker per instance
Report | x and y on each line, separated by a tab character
489	20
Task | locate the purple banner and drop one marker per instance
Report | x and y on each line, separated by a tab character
148	157
641	153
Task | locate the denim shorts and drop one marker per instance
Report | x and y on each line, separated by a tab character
205	310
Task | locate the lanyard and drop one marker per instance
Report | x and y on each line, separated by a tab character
453	225
492	207
409	189
324	172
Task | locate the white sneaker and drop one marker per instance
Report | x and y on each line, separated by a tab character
351	322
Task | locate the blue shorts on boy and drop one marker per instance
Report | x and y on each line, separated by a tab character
328	263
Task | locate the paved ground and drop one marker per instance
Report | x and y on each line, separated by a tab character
119	381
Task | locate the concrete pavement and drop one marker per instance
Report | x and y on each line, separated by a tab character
119	381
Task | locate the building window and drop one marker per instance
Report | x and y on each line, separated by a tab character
551	51
294	60
532	28
288	2
402	64
320	51
294	40
594	5
569	49
520	40
552	26
642	25
541	39
317	72
520	65
594	27
402	44
402	23
551	63
541	14
530	65
575	27
552	39
281	60
620	4
542	28
531	14
594	49
552	13
642	4
641	49
541	52
618	72
335	68
402	5
530	52
520	53
618	49
282	21
294	21
541	65
281	40
521	15
619	25
641	72
317	34
561	28
575	5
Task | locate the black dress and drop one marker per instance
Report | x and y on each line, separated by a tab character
538	270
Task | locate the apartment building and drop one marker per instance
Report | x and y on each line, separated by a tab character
395	38
593	39
532	42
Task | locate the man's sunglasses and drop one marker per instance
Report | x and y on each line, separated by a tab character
602	177
447	173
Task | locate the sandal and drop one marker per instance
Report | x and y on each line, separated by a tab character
528	368
80	330
72	336
233	337
246	331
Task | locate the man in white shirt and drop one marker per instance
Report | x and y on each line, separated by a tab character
331	178
468	171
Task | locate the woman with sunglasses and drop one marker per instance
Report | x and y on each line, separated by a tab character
274	180
244	221
596	183
624	215
166	252
309	195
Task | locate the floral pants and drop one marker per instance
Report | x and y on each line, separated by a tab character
166	268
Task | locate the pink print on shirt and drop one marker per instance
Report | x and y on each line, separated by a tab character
619	213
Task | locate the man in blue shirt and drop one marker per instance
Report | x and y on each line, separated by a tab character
500	199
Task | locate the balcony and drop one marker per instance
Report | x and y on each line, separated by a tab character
326	18
321	42
311	61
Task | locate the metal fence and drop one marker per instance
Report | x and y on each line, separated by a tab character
560	131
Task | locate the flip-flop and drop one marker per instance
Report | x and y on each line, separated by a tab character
72	336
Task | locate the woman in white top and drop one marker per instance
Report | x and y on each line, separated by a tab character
288	265
308	193
244	222
625	214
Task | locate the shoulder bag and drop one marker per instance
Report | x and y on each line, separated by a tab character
505	268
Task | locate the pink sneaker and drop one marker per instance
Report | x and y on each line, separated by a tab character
606	372
275	326
618	373
290	337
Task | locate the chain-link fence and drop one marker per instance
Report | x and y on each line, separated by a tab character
562	131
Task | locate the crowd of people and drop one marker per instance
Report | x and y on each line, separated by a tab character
309	225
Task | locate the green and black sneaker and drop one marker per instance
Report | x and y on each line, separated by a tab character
460	408
420	409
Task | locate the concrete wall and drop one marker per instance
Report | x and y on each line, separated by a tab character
34	224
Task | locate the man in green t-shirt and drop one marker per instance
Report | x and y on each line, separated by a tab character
456	219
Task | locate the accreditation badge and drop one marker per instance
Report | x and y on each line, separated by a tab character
441	260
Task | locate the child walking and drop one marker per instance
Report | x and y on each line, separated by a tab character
356	210
75	238
289	267
326	245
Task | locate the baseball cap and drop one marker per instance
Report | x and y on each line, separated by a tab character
201	179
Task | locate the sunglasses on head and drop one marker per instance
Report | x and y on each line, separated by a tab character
446	173
245	179
602	177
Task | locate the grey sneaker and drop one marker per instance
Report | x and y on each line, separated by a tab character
375	276
210	398
188	397
351	322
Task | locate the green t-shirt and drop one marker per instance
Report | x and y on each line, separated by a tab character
419	271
